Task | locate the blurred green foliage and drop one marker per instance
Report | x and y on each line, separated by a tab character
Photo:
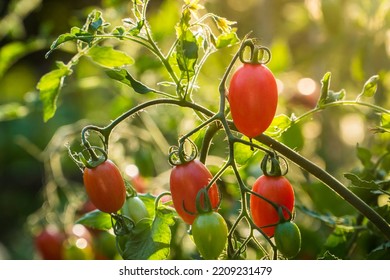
350	39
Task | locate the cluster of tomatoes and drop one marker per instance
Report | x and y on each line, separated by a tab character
106	190
253	100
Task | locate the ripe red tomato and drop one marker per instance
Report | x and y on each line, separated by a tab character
276	189
253	98
185	182
49	243
105	187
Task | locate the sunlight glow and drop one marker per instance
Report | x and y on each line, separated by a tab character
306	86
79	230
132	170
352	129
81	243
280	86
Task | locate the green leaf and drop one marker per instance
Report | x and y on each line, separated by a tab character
109	57
337	241
59	41
279	124
364	155
334	96
49	86
328	96
75	34
242	153
124	77
226	40
325	84
148	200
358	182
370	87
187	54
385	120
329	219
119	31
149	239
94	22
96	220
384	126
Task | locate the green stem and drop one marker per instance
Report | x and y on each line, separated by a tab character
106	131
208	136
342	103
330	181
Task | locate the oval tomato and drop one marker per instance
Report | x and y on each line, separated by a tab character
253	98
105	187
135	209
185	182
288	239
277	190
210	231
49	243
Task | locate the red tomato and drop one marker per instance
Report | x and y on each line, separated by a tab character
49	243
276	189
105	187
253	98
185	182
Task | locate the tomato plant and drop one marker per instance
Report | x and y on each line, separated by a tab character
253	98
209	231
105	186
135	209
288	239
185	182
279	191
246	105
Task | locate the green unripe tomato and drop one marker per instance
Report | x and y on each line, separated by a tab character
210	231
288	239
135	209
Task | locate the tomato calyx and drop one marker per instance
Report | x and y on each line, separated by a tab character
258	54
203	203
95	160
121	224
275	169
178	155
